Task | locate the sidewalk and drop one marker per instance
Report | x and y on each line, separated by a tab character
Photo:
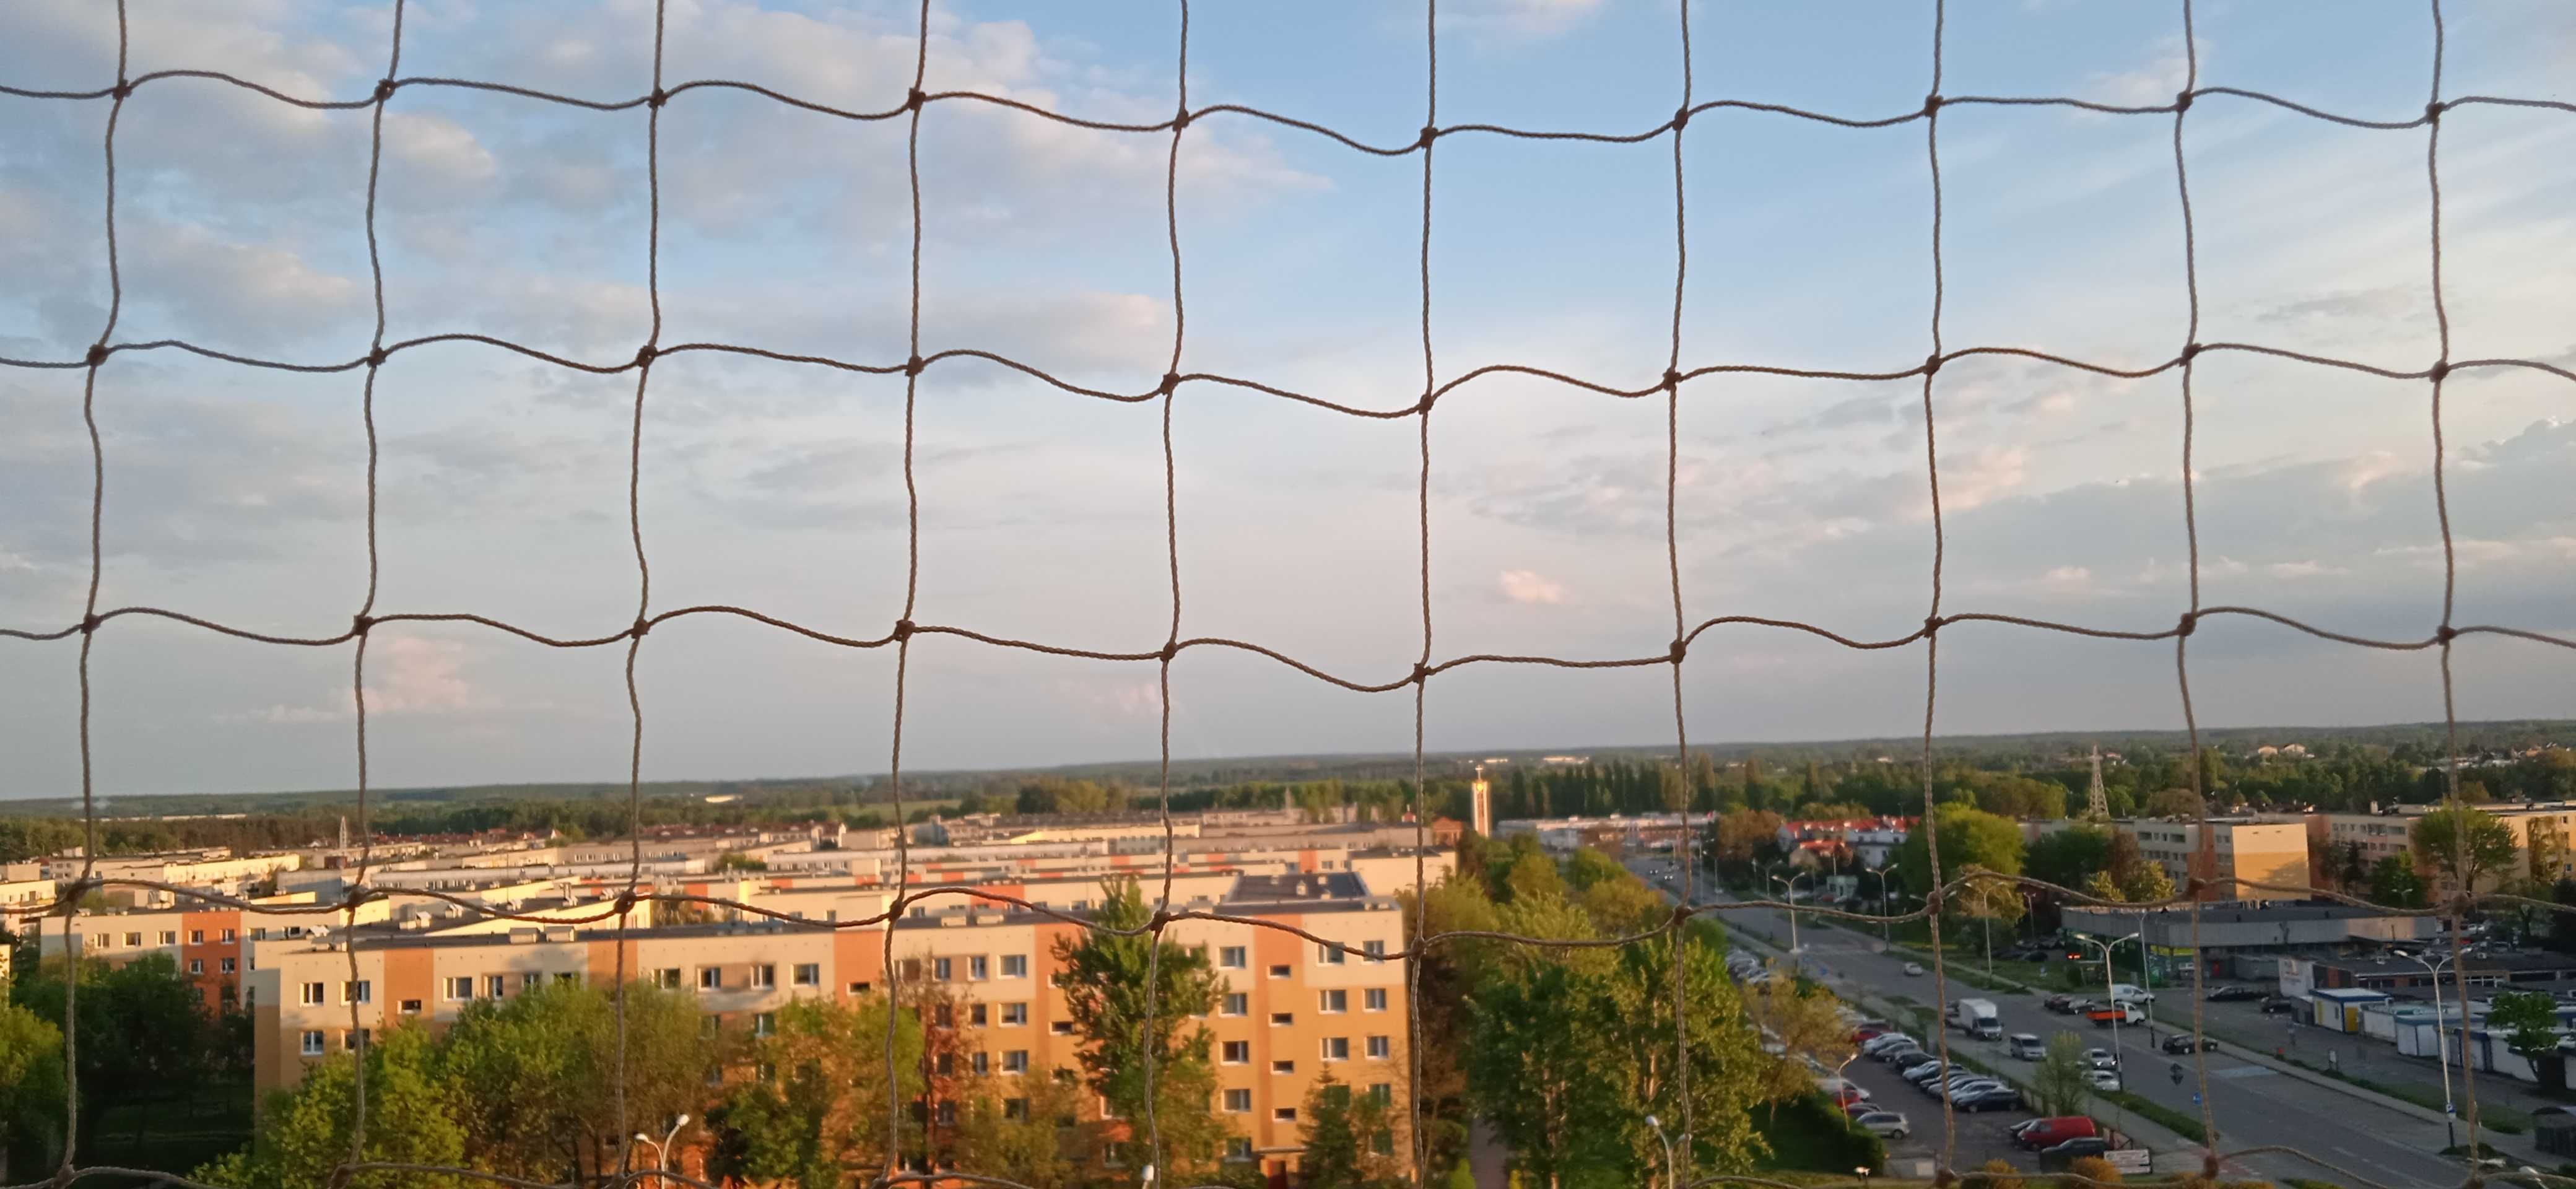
2369	1060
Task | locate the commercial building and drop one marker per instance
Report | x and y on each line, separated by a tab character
1292	1008
2245	939
2240	852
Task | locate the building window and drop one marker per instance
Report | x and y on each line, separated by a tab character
230	936
947	1064
495	985
948	1113
669	977
133	940
361	991
1015	966
350	1040
196	965
1285	1114
1282	1019
1383	1143
313	1040
1330	954
1333	1001
1237	1004
227	965
764	1023
311	995
942	970
942	1016
1374	999
1015	1015
1238	1052
1238	1147
531	981
169	937
710	978
1382	1093
566	976
461	987
975	1014
1381	1047
981	1062
1238	1101
1015	1061
809	974
1377	951
1337	1048
1282	971
764	976
1015	1108
411	1007
196	937
259	934
979	968
1283	1067
1234	957
858	988
1061	1028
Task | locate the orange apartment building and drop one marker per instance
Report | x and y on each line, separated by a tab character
1291	1010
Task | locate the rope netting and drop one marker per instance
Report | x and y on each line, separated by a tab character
637	890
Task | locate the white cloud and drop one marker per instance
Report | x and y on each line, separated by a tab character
1529	586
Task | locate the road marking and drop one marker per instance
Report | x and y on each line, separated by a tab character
2245	1071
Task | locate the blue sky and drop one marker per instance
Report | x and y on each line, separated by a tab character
238	494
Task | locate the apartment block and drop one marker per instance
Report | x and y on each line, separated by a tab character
1292	1008
2393	833
2271	852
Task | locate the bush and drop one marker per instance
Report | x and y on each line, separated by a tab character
1808	1132
2087	1171
1995	1174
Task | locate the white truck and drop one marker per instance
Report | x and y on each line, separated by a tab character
1978	1018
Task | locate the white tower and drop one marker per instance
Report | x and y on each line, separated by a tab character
1481	807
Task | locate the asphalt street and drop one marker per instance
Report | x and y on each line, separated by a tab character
2254	1105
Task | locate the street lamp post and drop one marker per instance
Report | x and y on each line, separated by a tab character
2441	1033
1887	932
661	1160
2118	1013
1789	893
1672	1167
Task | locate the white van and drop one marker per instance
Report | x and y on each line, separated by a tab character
2027	1046
2130	993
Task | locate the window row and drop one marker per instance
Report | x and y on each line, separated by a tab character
753	978
1327	953
1335	1048
971	968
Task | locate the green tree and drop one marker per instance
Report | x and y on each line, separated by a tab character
816	1114
2100	886
146	1036
1807	1023
1107	978
1970	837
2545	843
2059	1085
1587	867
1533	876
2180	803
2529	1020
2148	885
2069	857
31	1090
2467	847
2395	883
1349	1139
1020	1129
542	1065
304	1133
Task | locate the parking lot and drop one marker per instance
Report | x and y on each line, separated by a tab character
1981	1135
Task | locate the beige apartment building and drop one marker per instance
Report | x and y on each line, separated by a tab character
1292	1008
2393	833
2270	852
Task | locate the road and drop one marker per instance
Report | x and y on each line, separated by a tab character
2254	1104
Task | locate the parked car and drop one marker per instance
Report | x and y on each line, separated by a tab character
1842	1090
1884	1124
2276	1005
2123	1012
2104	1079
2101	1059
2231	992
2061	1004
1920	1070
2049	1132
2180	1042
2061	1155
1904	1057
2001	1098
1887	1040
2027	1046
1914	968
1854	1110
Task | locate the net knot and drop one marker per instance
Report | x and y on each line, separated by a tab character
1171	380
2209	1166
903	629
384	89
97	354
658	98
1681	648
1170	649
2182	102
358	895
89	623
360	623
1672	380
1430	132
1421	673
122	89
1932	364
626	901
1180	119
912	366
2440	371
2190	351
2445	634
2433	112
376	357
1931	626
642	625
913	99
2184	625
644	355
1932	104
1681	118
